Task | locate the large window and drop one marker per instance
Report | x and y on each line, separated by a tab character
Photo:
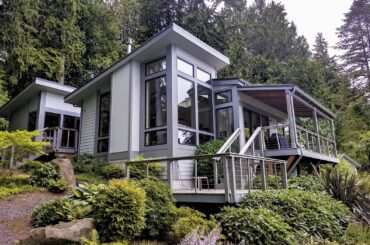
225	122
185	67
205	109
185	102
104	118
155	102
155	66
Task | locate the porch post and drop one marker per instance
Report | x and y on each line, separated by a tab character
170	175
333	138
316	126
291	120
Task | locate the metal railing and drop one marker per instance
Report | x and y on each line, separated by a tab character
232	144
60	139
199	174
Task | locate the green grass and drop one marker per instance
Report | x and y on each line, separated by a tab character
12	183
6	191
358	234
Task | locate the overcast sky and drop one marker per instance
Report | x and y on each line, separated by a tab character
313	16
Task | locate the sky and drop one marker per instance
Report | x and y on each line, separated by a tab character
313	16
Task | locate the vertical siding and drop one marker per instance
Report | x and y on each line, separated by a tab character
88	125
19	119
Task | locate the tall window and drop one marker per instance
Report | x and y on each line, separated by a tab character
225	122
156	102
205	109
104	118
185	102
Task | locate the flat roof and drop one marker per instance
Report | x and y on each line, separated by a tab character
32	90
173	34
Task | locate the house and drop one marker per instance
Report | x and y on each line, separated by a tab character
164	99
40	106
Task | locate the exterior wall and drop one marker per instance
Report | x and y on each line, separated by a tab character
56	101
19	118
88	125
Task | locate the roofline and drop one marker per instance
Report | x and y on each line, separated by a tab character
290	87
145	45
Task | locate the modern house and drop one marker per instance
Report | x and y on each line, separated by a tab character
40	106
164	99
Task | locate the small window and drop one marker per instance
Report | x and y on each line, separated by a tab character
158	137
186	137
203	75
51	120
185	67
103	145
155	66
203	138
223	97
155	102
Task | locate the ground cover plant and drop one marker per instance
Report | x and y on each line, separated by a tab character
14	183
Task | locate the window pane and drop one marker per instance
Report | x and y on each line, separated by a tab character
203	138
255	119
103	145
156	137
225	122
156	102
205	109
186	137
185	67
69	122
51	120
155	66
185	102
104	111
203	76
223	97
32	118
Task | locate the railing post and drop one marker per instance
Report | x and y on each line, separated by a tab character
227	183
263	174
170	174
127	170
249	176
59	139
215	173
317	131
333	138
284	176
292	126
233	176
196	175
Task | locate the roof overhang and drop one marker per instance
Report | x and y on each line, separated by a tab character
173	34
33	90
275	96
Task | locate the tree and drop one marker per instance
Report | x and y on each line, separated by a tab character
354	37
320	51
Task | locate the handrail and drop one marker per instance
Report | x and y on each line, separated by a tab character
315	134
250	140
229	141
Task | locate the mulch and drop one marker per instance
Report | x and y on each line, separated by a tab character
15	214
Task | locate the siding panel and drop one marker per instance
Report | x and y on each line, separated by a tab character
19	120
88	125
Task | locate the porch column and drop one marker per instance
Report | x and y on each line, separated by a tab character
316	127
291	119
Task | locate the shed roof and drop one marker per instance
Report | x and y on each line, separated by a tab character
31	91
173	34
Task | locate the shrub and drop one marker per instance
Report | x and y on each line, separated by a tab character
112	171
57	186
31	165
120	211
91	179
11	190
159	208
41	176
312	212
142	170
187	220
52	213
88	164
254	226
200	238
308	183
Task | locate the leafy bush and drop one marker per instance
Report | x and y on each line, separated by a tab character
142	170
312	212
120	210
254	226
88	164
41	176
52	213
11	190
159	208
11	183
91	179
187	220
57	186
112	171
308	183
31	165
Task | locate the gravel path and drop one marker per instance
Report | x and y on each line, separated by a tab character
15	214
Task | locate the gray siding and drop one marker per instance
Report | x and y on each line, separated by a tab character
88	126
19	119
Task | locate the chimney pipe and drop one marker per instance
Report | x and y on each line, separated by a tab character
129	45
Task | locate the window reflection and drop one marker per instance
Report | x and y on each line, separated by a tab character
203	75
205	118
185	67
158	137
156	102
225	122
155	66
186	137
185	102
223	97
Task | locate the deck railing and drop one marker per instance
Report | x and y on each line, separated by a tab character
63	140
239	174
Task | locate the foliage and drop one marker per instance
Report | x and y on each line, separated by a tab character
52	213
41	176
11	184
11	190
88	164
308	183
358	234
120	210
200	238
90	179
15	146
159	208
187	220
57	186
141	170
112	171
254	226
31	165
312	212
